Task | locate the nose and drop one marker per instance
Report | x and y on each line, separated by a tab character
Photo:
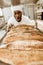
17	15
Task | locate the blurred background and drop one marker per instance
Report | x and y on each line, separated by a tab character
30	8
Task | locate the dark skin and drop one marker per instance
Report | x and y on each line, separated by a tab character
18	15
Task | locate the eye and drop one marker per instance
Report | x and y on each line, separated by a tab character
15	13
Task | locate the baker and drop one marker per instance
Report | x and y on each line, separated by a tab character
18	17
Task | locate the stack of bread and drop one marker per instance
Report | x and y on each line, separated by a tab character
23	46
24	37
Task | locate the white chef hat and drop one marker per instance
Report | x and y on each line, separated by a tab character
18	7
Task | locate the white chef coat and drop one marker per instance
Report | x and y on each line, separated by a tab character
25	20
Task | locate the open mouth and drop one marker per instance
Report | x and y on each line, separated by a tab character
18	19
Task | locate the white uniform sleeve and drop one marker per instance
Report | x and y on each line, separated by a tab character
29	21
9	23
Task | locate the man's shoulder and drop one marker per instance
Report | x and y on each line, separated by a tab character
11	18
25	17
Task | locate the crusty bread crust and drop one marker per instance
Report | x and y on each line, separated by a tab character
24	46
22	57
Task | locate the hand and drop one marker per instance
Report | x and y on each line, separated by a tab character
9	27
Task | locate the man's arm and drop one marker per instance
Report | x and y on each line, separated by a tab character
9	27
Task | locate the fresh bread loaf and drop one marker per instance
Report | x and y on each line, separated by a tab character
23	46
